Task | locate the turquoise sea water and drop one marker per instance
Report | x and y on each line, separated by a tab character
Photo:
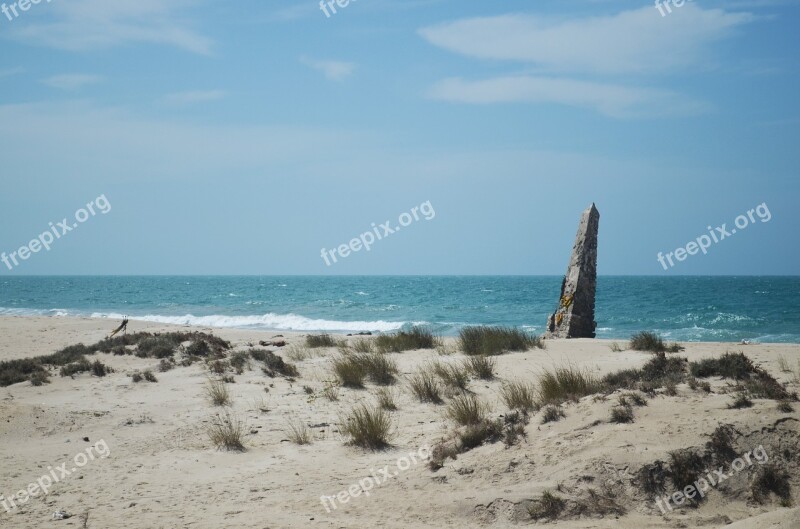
765	309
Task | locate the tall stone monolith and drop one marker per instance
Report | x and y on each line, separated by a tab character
574	317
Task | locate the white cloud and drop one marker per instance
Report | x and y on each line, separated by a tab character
333	70
636	41
72	81
80	25
613	100
197	96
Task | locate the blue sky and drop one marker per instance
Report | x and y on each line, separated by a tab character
243	137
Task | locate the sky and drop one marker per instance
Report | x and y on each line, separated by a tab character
246	137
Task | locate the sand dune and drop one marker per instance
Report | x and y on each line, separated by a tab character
162	470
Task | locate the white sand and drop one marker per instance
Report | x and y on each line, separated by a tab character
165	473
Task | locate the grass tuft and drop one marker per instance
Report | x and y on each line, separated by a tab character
425	386
416	338
298	433
481	366
552	413
217	392
519	395
368	427
467	410
650	341
320	340
566	383
226	432
547	506
491	341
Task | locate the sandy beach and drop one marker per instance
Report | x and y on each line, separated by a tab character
161	470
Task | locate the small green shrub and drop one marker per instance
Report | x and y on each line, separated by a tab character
622	414
451	375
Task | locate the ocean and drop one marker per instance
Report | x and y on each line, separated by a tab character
761	309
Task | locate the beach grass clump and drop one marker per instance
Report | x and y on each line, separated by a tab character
548	506
659	371
149	376
491	341
226	432
217	392
519	395
650	341
566	383
771	479
315	341
622	414
239	361
363	345
467	409
386	399
298	433
552	413
784	406
730	365
411	340
740	402
475	435
367	427
274	365
632	399
754	380
482	367
425	386
380	368
349	371
685	466
453	376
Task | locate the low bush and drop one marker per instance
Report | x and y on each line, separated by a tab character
416	338
368	427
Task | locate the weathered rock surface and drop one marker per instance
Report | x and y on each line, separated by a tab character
574	317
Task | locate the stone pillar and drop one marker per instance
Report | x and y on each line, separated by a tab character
574	317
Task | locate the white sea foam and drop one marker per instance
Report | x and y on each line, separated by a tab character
283	322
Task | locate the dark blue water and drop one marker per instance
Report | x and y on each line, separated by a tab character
765	309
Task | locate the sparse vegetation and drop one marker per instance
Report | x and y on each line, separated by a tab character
349	371
331	392
565	383
632	399
368	427
491	341
82	366
425	386
299	352
467	409
416	338
474	435
741	401
166	364
39	378
730	365
453	376
386	399
226	432
650	341
657	372
217	392
481	366
771	479
519	395
547	506
622	414
615	348
273	364
320	340
552	413
239	361
298	432
783	406
685	467
363	346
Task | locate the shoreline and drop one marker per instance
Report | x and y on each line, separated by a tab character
96	323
